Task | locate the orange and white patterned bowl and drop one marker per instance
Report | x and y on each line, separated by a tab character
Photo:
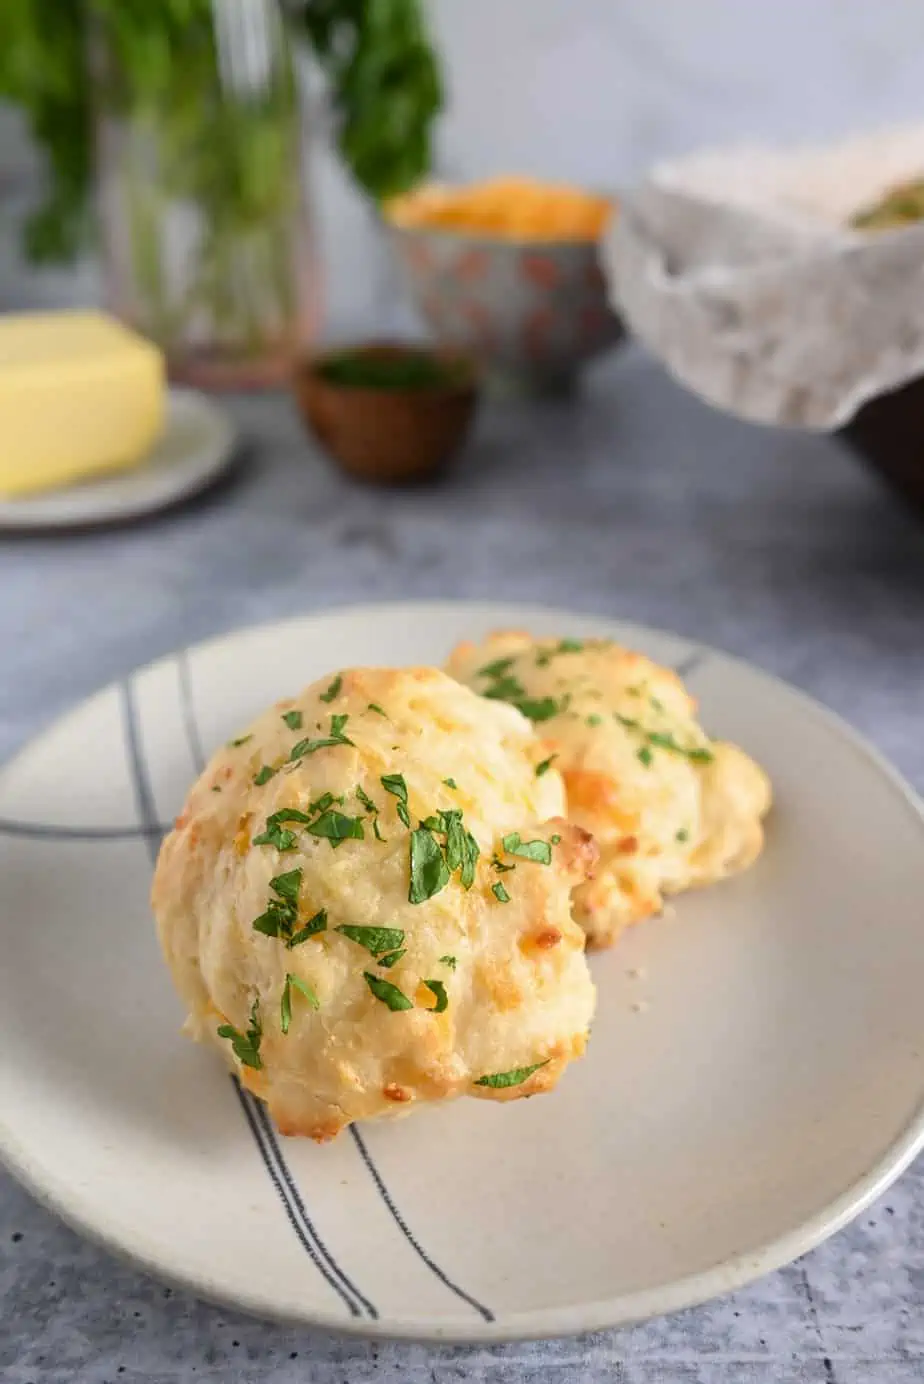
532	311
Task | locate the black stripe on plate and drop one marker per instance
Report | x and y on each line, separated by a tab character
408	1234
48	831
151	829
691	664
260	1127
277	1171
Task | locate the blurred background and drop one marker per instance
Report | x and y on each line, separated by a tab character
586	90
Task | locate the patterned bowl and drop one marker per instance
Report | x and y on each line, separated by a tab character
530	311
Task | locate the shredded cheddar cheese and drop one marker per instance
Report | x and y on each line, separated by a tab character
518	208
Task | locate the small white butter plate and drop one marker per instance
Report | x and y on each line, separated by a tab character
196	446
755	1076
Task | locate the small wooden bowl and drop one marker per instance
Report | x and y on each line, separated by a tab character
389	434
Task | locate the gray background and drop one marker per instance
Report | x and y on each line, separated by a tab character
634	501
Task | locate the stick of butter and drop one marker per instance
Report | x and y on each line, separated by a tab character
79	394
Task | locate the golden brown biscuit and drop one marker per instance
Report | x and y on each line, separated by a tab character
668	808
366	903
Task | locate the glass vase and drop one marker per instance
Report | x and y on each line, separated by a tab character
207	245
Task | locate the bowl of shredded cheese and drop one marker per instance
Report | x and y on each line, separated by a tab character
509	271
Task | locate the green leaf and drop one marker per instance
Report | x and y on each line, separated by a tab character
545	765
310	746
364	798
293	981
429	871
500	893
450	783
293	719
538	851
501	1080
564	646
497	669
386	992
499	865
376	831
336	827
449	961
438	990
645	755
539	709
391	958
280	837
374	706
264	776
682	835
595	720
246	1046
396	786
313	926
375	939
334	689
242	740
288	885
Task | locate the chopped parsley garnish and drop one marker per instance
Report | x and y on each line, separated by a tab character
313	926
505	689
545	765
499	865
242	740
497	669
462	849
285	1007
449	961
665	741
541	708
264	776
500	893
386	992
429	871
336	737
656	703
375	828
334	690
293	719
216	787
501	1080
275	834
395	785
450	783
281	916
246	1046
555	839
682	835
438	991
391	958
595	720
364	798
645	755
538	851
565	646
374	706
336	827
376	940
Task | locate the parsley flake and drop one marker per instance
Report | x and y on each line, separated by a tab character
538	851
391	958
336	827
375	828
449	961
264	776
564	646
246	1046
682	835
500	893
429	872
293	719
501	1080
555	839
375	939
374	706
389	994
334	690
438	991
545	765
499	865
539	709
309	746
595	720
450	783
497	669
285	1007
396	786
645	755
462	849
242	740
364	798
313	926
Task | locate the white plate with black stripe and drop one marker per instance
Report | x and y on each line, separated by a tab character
755	1076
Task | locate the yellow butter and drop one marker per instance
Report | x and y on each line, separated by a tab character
79	394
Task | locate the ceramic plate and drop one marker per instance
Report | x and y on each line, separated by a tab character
755	1075
196	446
